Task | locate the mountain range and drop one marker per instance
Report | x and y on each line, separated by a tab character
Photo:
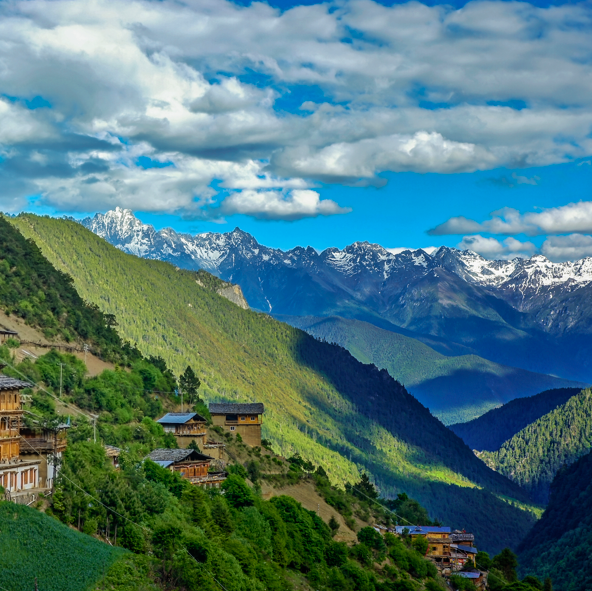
530	314
319	401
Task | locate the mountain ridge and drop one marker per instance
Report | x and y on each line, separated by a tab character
526	313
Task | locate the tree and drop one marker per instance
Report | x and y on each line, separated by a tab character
506	562
190	384
548	586
333	525
364	489
236	492
483	561
420	543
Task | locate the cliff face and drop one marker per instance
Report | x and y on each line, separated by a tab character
234	294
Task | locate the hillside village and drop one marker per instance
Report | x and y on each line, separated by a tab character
31	458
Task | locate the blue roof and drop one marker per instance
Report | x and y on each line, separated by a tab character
422	529
468	575
469	549
178	418
162	463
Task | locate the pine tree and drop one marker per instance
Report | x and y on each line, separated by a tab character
190	384
548	585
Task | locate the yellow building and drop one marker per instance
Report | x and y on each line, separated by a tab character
240	419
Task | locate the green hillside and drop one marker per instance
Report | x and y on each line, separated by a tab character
455	389
559	544
35	546
534	455
320	402
489	431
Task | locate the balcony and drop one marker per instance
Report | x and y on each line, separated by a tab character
5	433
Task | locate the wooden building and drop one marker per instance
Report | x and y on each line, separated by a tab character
438	539
240	419
47	446
460	555
478	578
185	426
462	537
113	454
6	334
190	464
17	476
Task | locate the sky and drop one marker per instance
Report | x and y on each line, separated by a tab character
467	124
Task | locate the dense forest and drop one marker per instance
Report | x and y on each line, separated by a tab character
534	455
33	289
559	544
320	401
455	388
491	430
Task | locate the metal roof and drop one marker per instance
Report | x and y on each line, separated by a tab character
179	418
7	383
172	456
468	575
422	529
468	549
234	408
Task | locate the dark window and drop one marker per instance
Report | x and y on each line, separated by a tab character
232	417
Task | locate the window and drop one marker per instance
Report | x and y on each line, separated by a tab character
434	548
243	418
232	428
253	418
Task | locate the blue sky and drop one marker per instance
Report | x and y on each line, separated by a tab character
407	124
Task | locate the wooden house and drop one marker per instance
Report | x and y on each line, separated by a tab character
6	334
112	454
478	578
17	476
46	445
240	419
462	537
189	464
438	539
460	555
185	426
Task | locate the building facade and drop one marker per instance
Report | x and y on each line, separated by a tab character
190	465
17	476
186	427
240	419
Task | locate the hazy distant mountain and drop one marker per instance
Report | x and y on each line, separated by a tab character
529	313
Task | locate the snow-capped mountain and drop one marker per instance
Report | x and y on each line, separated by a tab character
517	280
515	312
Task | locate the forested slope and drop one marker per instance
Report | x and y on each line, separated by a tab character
489	431
455	388
559	544
320	401
534	455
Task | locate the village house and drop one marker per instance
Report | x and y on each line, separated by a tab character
462	537
460	555
113	454
190	465
18	477
438	539
47	446
478	578
240	419
186	427
6	334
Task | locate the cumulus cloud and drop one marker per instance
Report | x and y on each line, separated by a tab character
198	85
571	218
514	180
567	248
492	248
274	205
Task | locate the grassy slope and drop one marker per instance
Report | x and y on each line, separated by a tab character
491	430
534	455
455	389
309	388
35	546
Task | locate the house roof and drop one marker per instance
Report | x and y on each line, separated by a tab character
422	529
234	408
166	457
111	451
7	383
468	575
468	549
179	418
8	331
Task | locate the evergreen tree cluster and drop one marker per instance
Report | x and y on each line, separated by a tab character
534	455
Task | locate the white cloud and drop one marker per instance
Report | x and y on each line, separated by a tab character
171	80
492	248
567	248
274	205
571	218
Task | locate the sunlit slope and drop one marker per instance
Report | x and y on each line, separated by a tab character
455	389
319	400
